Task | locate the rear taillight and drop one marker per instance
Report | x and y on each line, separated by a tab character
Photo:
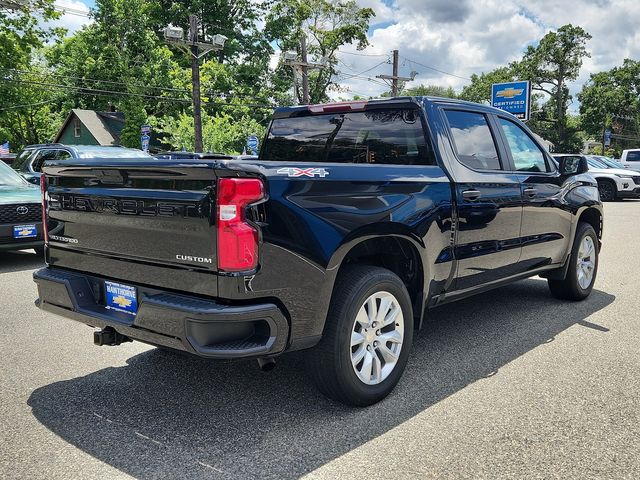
237	239
43	191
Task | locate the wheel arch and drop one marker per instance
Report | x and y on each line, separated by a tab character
398	252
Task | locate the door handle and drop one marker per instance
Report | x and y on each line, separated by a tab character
530	192
471	195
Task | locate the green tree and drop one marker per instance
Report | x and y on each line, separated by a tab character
221	132
611	100
430	91
328	26
479	90
25	115
552	63
118	60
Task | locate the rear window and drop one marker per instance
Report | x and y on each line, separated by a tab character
633	156
382	136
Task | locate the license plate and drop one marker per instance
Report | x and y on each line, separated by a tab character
121	297
24	231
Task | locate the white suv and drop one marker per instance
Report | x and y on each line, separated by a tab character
613	183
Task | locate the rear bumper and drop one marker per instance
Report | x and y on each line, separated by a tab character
195	325
22	245
7	242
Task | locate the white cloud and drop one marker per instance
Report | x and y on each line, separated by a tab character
466	37
74	15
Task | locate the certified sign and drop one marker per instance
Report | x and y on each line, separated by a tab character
512	97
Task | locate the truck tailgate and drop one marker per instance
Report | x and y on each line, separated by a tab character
158	216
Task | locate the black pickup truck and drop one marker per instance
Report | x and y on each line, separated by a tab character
354	220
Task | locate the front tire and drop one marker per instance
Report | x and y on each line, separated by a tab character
583	266
607	190
367	337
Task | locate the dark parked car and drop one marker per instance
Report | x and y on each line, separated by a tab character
29	162
8	158
355	220
20	213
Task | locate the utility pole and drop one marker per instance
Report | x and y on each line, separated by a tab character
301	67
305	70
197	49
195	79
395	79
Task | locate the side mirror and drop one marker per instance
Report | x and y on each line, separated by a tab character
572	165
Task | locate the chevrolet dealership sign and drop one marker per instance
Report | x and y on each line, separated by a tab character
512	97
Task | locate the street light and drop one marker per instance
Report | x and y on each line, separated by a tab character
172	33
218	40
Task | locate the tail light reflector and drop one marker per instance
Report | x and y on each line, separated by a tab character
43	192
237	239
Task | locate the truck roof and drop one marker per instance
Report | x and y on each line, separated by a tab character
357	105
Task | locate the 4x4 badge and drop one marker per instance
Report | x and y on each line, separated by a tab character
303	172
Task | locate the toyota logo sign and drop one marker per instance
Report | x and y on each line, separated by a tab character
22	210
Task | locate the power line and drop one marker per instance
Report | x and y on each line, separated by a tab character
15	107
436	69
369	69
125	84
365	54
71	11
99	92
110	82
95	90
346	76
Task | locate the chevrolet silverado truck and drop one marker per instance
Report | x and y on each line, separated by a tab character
354	220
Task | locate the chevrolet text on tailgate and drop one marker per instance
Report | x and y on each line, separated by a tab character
354	221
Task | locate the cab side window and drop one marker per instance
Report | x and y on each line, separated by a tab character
22	161
62	155
527	156
43	157
473	141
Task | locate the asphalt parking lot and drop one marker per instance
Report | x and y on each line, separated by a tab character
514	384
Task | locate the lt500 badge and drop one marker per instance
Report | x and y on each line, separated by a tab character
303	172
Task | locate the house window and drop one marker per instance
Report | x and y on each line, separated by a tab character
76	128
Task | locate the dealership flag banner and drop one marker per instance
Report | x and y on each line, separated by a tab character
4	148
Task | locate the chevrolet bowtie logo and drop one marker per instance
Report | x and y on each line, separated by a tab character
509	92
121	301
24	232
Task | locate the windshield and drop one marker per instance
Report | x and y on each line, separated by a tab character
596	163
111	152
610	162
9	178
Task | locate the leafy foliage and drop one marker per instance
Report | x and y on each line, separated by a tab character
612	100
25	113
221	132
549	65
328	26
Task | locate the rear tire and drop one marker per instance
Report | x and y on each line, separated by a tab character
607	190
367	337
583	266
